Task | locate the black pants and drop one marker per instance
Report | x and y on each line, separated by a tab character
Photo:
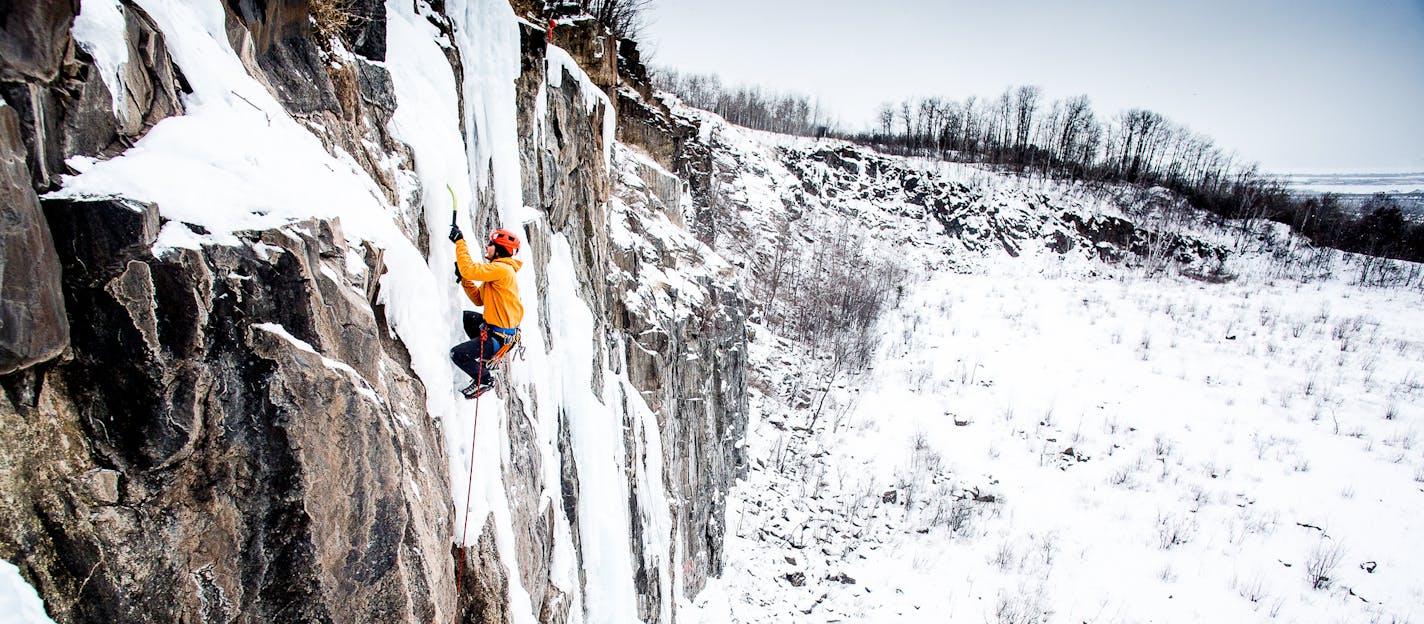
467	355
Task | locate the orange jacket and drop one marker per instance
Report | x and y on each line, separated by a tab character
499	293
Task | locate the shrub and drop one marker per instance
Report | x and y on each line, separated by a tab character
1173	530
1321	563
1022	607
332	18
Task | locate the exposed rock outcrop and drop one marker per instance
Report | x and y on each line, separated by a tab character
34	37
686	353
345	99
231	432
215	399
33	327
71	111
684	350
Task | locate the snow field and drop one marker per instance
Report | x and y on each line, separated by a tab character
1156	450
1049	438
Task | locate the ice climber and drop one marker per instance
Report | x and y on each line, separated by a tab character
495	331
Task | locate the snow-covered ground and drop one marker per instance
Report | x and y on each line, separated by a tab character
1047	439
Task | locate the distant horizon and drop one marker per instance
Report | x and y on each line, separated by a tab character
1309	87
1308	171
1384	171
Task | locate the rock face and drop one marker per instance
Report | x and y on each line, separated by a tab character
195	438
346	99
33	39
71	111
231	432
683	350
33	327
690	365
733	180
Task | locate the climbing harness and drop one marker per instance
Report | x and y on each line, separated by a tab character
511	344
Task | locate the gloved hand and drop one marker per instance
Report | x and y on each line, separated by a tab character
458	278
455	234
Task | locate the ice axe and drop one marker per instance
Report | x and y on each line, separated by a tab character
454	205
454	217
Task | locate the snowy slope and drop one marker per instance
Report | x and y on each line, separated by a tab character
1085	436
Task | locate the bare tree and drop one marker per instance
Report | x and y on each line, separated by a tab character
1025	105
624	17
887	119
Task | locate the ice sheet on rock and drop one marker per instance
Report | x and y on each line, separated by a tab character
101	30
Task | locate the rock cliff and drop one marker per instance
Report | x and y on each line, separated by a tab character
250	424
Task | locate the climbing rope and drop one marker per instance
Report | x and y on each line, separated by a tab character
511	344
469	489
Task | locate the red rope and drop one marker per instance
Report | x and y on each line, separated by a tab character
469	486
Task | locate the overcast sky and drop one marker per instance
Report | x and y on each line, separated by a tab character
1298	85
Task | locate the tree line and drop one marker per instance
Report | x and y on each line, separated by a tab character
749	106
1067	138
1021	131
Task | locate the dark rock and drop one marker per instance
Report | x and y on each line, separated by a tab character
152	81
95	237
285	477
89	125
75	113
1059	243
483	583
298	77
33	326
34	35
280	34
377	90
41	117
367	33
796	579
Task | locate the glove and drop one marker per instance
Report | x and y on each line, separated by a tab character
455	234
458	278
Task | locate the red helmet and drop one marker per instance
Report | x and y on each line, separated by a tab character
505	239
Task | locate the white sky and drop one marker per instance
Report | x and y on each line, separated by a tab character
1300	86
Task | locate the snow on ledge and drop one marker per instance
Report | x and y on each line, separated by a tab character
363	387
